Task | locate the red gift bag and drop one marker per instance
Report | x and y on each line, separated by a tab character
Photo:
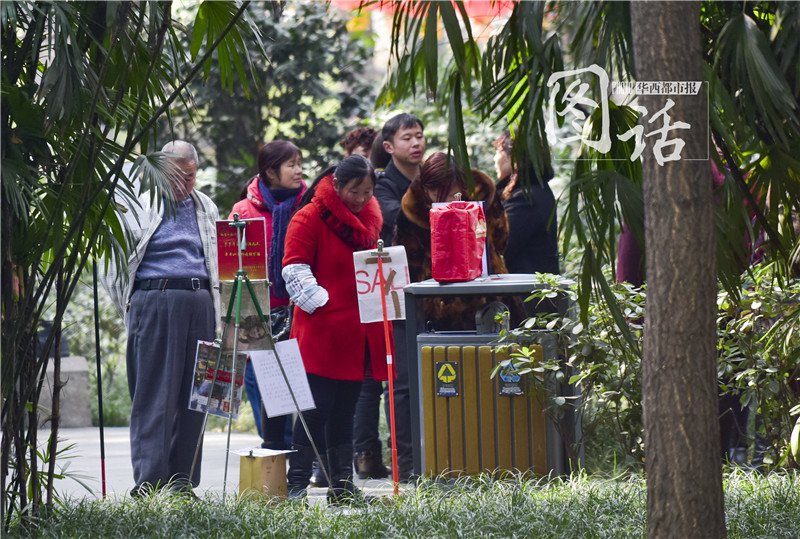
458	239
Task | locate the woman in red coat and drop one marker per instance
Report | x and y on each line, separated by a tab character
337	349
274	194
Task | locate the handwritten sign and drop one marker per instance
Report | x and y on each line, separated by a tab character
274	392
368	283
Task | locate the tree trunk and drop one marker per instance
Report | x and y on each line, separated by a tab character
679	385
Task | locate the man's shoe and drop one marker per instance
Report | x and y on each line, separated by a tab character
369	465
144	490
737	456
405	471
182	490
407	477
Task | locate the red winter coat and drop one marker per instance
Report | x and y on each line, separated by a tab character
253	207
333	339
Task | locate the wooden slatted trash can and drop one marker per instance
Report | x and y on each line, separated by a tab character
463	420
471	422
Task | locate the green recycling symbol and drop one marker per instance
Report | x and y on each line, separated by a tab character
446	373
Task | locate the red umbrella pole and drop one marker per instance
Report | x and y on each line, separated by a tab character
390	365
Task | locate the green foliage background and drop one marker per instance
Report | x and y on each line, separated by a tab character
313	86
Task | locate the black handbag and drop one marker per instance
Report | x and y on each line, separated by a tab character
281	322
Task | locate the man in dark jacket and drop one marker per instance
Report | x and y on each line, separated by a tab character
404	141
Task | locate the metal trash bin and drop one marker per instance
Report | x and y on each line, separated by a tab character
464	421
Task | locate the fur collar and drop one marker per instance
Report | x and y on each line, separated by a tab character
360	230
417	206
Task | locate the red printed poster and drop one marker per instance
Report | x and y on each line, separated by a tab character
254	254
211	389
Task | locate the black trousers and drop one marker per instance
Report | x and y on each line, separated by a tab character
331	422
163	330
277	431
402	399
367	416
732	423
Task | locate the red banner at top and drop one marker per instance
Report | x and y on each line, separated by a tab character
224	376
474	8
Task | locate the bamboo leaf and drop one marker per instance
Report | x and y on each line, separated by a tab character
430	47
746	63
453	30
456	136
200	29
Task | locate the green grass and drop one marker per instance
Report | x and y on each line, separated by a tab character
757	506
763	506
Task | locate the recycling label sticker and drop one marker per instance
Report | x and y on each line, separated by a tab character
446	379
509	383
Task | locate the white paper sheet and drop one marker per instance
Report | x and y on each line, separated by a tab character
274	392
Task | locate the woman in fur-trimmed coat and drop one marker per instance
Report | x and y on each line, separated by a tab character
439	181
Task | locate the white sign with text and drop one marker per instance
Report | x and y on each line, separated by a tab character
368	283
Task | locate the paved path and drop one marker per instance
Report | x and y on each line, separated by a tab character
81	464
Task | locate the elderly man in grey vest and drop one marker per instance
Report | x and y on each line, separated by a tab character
169	301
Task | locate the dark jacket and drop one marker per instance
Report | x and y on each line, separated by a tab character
532	242
390	187
630	258
414	233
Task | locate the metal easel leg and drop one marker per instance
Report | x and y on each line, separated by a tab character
236	290
286	380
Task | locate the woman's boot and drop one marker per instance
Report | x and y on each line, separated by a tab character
342	489
369	464
317	475
299	471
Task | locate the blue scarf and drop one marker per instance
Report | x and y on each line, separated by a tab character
280	203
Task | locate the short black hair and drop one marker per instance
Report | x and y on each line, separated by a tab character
378	156
395	123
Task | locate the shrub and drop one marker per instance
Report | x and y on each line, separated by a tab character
597	356
759	353
759	344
